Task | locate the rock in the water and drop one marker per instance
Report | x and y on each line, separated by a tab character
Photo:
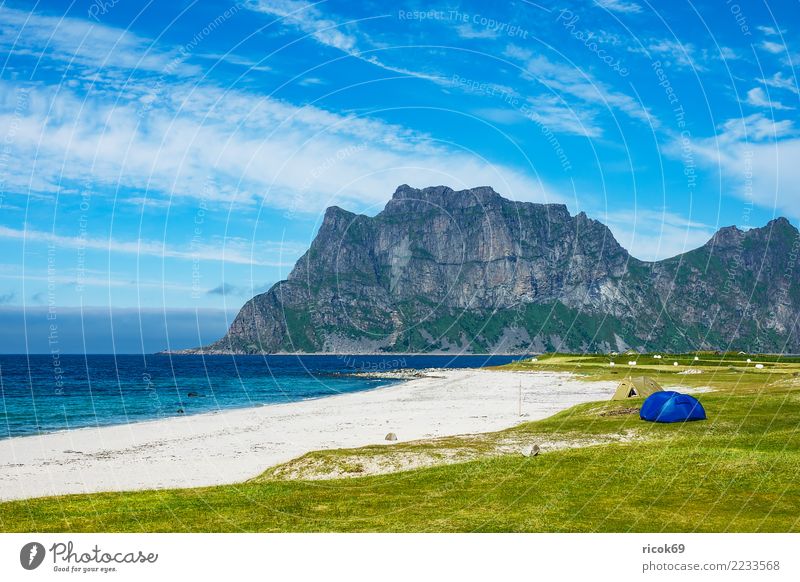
391	437
194	395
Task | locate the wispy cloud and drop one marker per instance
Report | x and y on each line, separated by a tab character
233	251
80	42
551	113
256	149
575	82
504	116
621	6
309	81
757	97
336	33
770	30
755	128
469	32
252	65
778	81
757	158
652	235
309	18
772	47
681	54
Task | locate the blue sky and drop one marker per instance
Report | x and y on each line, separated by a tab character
180	155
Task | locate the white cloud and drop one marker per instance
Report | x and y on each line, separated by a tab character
505	116
770	30
682	54
517	52
652	235
620	6
172	141
326	30
228	251
233	59
757	158
568	80
754	128
81	42
554	115
549	112
758	98
157	204
230	147
309	18
468	32
778	81
309	81
772	47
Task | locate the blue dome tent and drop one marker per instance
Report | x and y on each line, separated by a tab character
671	407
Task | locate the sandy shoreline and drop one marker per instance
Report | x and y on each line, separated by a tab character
235	445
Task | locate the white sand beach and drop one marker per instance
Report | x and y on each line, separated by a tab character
235	445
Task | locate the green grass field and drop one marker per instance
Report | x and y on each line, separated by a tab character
739	471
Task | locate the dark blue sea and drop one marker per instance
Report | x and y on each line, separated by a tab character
43	393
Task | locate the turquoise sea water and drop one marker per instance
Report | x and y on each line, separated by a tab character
43	393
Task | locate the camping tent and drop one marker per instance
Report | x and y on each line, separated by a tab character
640	386
668	406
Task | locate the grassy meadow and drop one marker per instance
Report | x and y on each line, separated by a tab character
601	469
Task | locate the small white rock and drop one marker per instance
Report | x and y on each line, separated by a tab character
531	451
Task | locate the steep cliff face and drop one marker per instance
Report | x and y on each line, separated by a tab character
439	270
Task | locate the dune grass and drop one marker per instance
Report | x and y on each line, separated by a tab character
738	471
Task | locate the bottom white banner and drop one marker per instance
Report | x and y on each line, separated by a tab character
384	558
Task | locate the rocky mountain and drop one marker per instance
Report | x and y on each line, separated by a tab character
445	271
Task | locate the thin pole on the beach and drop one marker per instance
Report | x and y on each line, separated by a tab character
520	396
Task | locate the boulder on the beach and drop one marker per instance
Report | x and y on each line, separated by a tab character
531	451
391	437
